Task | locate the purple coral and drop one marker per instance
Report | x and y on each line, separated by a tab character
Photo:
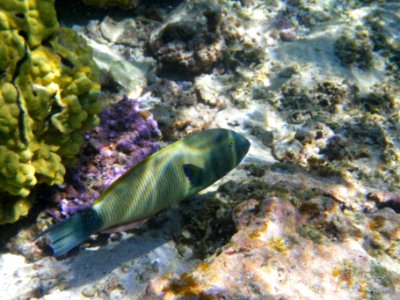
125	136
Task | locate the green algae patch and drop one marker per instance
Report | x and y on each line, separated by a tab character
48	96
313	234
381	274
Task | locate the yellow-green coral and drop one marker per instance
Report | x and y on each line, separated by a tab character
48	96
126	4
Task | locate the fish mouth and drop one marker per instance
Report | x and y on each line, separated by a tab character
243	144
246	144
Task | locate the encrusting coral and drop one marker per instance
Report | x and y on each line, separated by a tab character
48	96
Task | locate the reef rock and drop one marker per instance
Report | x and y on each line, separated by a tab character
281	252
190	40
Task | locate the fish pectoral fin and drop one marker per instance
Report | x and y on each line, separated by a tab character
195	174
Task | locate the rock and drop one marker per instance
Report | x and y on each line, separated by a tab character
123	32
129	75
190	40
19	281
211	90
280	254
89	291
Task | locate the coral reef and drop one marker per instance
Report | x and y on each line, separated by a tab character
313	212
48	96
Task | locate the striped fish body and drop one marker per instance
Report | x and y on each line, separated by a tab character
164	178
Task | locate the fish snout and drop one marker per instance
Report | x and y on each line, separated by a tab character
242	144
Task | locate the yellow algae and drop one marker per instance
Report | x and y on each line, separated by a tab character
260	231
278	245
376	223
344	273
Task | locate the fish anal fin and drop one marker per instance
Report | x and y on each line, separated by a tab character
124	226
195	174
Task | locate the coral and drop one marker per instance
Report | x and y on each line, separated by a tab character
124	137
48	96
190	40
125	4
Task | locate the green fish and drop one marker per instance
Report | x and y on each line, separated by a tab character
172	174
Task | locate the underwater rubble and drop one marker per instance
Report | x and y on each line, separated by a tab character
311	213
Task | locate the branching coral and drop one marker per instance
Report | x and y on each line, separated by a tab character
48	95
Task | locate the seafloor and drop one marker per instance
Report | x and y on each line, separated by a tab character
313	210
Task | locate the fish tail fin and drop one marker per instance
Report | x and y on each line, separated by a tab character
70	233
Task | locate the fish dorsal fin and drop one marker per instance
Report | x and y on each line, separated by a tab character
195	174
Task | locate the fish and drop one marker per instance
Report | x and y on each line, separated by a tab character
170	175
